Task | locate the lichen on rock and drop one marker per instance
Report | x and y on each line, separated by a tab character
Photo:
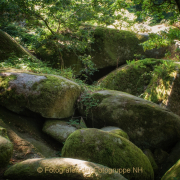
155	80
48	95
147	124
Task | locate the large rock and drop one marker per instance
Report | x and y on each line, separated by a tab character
111	47
59	130
110	150
173	172
148	125
6	150
48	95
8	45
60	168
151	79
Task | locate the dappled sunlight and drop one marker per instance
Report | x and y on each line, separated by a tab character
174	97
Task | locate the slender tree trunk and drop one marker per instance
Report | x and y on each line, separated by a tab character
178	4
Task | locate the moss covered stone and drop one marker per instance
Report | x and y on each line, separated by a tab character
60	168
48	95
6	150
8	45
110	150
147	124
151	79
173	172
110	47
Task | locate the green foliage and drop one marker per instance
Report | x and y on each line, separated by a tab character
162	77
155	41
173	33
78	123
22	35
158	9
57	24
150	79
73	122
89	66
86	100
35	66
136	64
162	40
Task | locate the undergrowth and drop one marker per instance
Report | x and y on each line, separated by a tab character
27	63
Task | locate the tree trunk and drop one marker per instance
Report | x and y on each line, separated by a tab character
178	4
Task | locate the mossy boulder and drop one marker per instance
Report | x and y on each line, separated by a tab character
8	46
48	95
111	47
151	79
60	168
148	125
173	173
116	130
6	150
59	130
110	150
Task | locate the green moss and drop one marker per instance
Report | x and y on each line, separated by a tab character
114	47
120	133
110	47
4	82
6	150
3	132
148	125
173	173
45	97
107	149
150	79
50	89
8	45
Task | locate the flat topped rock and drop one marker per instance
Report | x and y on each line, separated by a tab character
48	95
24	82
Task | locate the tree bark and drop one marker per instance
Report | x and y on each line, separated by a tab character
178	4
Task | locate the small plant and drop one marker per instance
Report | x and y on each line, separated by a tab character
78	123
86	100
34	65
168	54
89	66
136	64
73	122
